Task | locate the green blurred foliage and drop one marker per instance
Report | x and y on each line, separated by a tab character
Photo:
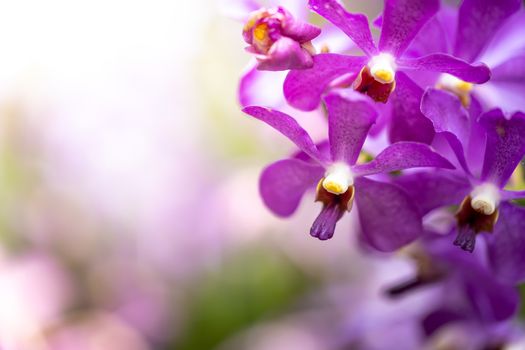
255	285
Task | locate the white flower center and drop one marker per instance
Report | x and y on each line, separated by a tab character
338	178
485	198
454	84
383	68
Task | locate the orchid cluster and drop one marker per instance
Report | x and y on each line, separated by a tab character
426	123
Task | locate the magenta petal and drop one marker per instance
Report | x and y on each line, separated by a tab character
408	123
283	183
505	145
402	20
303	88
287	126
389	218
507	244
436	35
439	62
402	155
478	22
449	118
511	195
349	120
300	31
286	54
510	70
355	25
434	189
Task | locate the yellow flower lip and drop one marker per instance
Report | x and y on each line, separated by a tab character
458	87
384	75
338	178
333	187
383	68
464	86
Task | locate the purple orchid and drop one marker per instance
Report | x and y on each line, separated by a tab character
472	296
488	31
257	86
278	41
388	218
382	71
469	289
487	149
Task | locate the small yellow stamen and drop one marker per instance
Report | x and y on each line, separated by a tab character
333	187
463	86
384	75
458	87
260	32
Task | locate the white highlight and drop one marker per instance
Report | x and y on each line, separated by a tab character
485	198
383	68
453	83
338	178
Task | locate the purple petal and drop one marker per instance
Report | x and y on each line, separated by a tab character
402	155
511	195
283	183
389	218
408	123
436	35
300	31
355	25
323	226
507	244
303	88
508	41
478	22
434	189
449	118
378	22
402	20
256	87
286	54
477	138
439	62
510	96
510	70
446	112
491	299
287	126
505	145
349	120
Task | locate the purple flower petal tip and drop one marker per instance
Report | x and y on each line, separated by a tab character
303	89
403	155
287	126
283	184
477	73
355	25
402	20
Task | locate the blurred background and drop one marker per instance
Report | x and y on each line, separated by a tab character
130	216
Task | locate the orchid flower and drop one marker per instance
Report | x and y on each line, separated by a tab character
488	149
499	42
257	84
278	41
388	218
382	71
